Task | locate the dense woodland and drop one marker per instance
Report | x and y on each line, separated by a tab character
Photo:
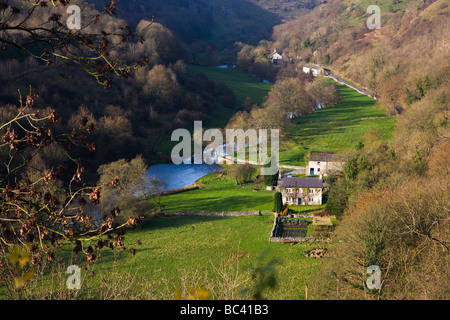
215	24
392	198
136	111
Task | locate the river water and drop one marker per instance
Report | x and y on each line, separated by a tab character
183	175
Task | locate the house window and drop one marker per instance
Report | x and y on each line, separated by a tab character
311	199
318	169
288	199
311	191
289	190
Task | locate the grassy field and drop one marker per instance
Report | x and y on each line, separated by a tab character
219	194
184	251
243	85
335	129
219	200
193	243
178	252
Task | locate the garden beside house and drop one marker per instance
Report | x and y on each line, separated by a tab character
294	228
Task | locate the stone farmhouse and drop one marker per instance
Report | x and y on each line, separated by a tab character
301	191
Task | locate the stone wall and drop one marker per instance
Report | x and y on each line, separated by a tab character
273	234
296	239
214	214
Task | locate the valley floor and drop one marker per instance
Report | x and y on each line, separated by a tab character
206	252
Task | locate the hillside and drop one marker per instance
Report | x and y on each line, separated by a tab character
391	61
218	22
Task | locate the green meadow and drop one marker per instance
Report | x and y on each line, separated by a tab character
218	193
172	246
243	85
216	254
335	129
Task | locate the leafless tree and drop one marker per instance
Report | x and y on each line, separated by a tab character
38	28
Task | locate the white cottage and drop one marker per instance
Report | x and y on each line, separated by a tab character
323	163
313	69
276	57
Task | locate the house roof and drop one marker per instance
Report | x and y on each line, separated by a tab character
300	183
321	157
276	56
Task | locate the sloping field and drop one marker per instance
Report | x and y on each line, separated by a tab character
243	85
335	129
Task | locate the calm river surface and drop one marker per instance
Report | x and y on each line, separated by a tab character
179	176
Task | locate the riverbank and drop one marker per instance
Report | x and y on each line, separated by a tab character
181	176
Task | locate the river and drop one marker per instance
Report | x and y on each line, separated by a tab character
180	176
185	174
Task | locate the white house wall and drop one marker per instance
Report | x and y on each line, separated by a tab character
324	166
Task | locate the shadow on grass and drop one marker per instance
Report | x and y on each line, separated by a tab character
162	222
221	203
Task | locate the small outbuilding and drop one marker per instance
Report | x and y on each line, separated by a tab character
323	163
